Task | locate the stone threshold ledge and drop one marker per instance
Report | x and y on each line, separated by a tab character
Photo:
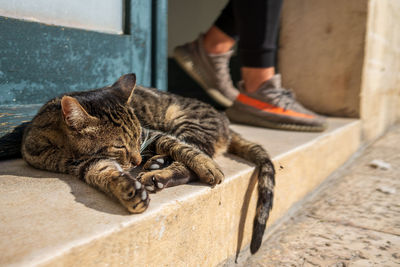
50	219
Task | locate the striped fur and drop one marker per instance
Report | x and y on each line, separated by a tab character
266	182
100	135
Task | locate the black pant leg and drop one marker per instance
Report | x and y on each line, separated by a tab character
226	21
256	23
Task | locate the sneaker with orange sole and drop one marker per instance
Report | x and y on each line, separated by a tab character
272	106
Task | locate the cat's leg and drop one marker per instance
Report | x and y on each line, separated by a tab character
196	160
174	174
109	177
103	174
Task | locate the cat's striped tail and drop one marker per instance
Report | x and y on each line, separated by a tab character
266	182
10	144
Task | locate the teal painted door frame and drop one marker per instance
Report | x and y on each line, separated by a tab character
38	61
160	44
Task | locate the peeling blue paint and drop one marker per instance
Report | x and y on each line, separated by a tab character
39	62
11	116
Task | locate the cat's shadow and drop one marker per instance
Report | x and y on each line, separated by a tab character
94	199
245	205
83	193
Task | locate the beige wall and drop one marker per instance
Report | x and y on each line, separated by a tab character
380	97
342	58
321	53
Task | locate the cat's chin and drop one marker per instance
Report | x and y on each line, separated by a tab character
125	167
129	167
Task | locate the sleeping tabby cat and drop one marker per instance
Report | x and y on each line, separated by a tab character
100	135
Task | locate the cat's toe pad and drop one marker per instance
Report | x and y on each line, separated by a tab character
157	162
154	181
132	194
154	167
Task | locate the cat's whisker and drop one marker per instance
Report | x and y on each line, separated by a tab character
119	168
147	141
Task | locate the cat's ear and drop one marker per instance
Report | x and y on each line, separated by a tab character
74	114
127	84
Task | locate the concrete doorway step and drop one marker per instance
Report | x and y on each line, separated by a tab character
56	220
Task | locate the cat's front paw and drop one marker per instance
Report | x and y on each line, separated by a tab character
157	162
208	171
131	193
154	181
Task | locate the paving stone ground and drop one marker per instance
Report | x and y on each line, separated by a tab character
354	220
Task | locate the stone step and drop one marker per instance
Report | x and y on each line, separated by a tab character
351	220
51	219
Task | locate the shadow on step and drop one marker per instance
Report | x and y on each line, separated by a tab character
82	192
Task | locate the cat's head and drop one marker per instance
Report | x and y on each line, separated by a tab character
102	123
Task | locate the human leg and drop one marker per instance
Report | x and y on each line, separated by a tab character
216	41
262	101
257	47
206	59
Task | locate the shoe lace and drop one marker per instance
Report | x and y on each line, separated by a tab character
221	66
281	97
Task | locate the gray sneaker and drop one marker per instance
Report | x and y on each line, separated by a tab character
211	72
274	107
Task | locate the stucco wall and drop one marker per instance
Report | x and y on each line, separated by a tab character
342	58
380	94
321	53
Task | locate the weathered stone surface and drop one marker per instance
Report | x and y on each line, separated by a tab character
311	242
347	203
353	221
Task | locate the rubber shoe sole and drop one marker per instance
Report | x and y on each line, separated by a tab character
237	116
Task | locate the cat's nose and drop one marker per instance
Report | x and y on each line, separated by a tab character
136	159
